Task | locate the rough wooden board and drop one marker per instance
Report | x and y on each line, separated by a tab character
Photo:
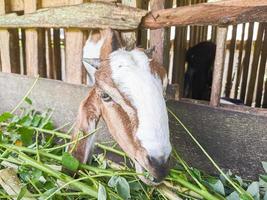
83	16
236	140
219	13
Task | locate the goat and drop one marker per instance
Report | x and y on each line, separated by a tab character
198	77
127	91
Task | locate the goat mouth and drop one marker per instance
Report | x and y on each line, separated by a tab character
147	179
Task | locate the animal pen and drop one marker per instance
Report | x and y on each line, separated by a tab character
47	38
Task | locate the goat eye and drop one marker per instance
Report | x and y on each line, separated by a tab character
105	97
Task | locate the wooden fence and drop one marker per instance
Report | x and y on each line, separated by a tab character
49	42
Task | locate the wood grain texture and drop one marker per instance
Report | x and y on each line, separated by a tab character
115	16
218	67
219	13
35	44
9	44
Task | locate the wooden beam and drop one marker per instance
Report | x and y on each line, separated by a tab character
9	45
218	67
219	13
115	16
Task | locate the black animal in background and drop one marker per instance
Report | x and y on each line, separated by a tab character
198	76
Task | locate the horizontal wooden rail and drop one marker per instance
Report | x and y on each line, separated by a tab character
219	13
87	15
116	16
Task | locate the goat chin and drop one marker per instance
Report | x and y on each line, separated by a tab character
140	170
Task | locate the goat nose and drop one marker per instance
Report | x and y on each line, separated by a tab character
160	167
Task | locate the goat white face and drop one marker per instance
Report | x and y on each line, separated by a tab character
128	94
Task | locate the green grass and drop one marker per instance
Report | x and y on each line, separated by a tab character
36	149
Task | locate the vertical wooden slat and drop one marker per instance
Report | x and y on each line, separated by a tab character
142	33
254	66
35	44
218	67
246	62
57	54
23	51
160	39
231	62
239	64
261	71
74	41
213	34
180	45
130	38
49	55
9	44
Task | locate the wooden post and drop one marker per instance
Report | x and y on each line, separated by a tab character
74	42
49	55
35	44
254	66
160	39
261	72
246	62
218	67
9	44
229	80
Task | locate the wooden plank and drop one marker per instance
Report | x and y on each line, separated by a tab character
254	66
9	45
261	72
74	41
180	46
108	15
49	55
18	5
217	13
229	78
142	40
23	52
35	44
218	67
160	39
239	64
246	62
57	54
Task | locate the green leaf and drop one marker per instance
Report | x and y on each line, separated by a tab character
218	187
28	100
135	186
264	178
47	193
113	181
264	164
22	192
123	188
254	190
69	161
102	194
233	196
5	116
26	135
121	185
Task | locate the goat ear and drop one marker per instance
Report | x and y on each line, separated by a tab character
111	43
91	65
88	116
